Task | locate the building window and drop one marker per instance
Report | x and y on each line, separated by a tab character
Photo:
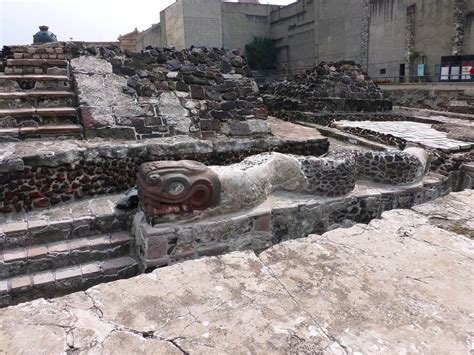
383	71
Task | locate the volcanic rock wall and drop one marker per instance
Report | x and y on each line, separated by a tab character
202	92
329	87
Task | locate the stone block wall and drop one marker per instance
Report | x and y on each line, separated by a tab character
329	87
201	92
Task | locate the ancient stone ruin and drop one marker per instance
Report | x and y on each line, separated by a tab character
198	160
329	87
162	92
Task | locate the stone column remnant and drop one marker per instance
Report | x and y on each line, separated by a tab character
409	39
460	7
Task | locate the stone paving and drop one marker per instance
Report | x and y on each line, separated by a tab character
401	284
420	133
287	130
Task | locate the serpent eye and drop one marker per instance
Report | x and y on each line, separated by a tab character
175	188
154	179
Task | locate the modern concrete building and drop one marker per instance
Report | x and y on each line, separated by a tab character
214	23
405	34
392	39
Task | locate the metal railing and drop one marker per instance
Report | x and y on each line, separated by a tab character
423	79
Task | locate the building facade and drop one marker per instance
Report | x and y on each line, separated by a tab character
129	41
391	39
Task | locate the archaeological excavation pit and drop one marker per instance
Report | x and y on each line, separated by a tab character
220	167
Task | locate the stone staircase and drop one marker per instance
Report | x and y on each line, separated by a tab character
62	250
36	98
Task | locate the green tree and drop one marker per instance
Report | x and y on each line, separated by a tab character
261	53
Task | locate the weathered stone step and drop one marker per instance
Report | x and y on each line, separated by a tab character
43	99
41	82
41	257
37	62
60	281
36	94
38	70
71	220
43	111
41	131
33	77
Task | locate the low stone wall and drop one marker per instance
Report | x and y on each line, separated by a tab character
327	119
161	92
321	104
281	217
444	100
51	175
445	163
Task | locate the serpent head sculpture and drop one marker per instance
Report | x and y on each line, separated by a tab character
177	187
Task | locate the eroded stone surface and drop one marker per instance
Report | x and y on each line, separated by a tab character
91	65
397	285
453	216
233	304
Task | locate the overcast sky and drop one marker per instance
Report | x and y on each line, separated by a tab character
82	20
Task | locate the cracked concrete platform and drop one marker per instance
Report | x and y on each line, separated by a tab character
402	284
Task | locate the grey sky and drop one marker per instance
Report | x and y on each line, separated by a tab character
82	20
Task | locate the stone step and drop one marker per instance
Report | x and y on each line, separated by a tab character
36	94
42	257
41	99
60	281
65	222
43	111
49	51
37	47
40	82
41	131
38	70
37	62
34	77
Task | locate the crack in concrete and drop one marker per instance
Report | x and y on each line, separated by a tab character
142	333
293	298
95	307
175	344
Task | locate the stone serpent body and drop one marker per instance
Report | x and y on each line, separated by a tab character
179	188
